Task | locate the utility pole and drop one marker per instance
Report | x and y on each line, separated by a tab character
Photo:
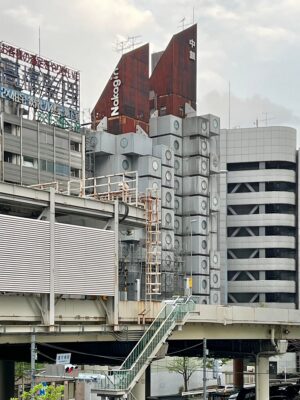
33	358
204	370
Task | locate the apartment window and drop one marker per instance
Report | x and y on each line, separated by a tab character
43	165
7	127
75	146
11	158
30	162
62	169
75	172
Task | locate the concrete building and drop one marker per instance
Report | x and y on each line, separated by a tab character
259	217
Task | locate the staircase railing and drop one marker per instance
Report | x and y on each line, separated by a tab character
145	350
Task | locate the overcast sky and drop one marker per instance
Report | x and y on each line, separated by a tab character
253	43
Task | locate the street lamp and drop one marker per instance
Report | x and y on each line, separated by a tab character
191	273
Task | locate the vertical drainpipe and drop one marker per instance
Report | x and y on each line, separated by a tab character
116	297
52	257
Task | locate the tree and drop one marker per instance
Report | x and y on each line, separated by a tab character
184	366
50	392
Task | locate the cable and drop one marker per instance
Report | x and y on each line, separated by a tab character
186	348
79	352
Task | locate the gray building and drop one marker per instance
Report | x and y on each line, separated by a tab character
180	161
33	153
259	217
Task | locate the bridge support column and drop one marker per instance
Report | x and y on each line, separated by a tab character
7	379
238	373
139	391
262	385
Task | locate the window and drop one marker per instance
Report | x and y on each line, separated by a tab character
75	146
7	127
75	172
11	158
163	110
62	169
30	162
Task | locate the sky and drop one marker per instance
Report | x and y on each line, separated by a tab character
253	44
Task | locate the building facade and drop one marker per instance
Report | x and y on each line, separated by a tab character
259	216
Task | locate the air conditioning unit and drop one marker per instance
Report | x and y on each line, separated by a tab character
178	186
214	259
199	264
193	185
165	153
174	142
167	261
148	166
178	166
167	198
214	163
197	165
164	125
195	126
195	205
214	279
195	146
198	224
214	124
178	225
215	297
200	284
214	202
167	218
167	240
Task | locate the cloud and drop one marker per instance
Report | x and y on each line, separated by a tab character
246	111
24	16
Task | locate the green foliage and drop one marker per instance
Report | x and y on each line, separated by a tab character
184	366
51	393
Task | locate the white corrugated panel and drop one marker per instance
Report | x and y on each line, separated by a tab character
24	255
84	259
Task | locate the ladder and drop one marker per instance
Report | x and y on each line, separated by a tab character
120	382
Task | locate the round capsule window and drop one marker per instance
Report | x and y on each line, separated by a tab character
176	244
204	145
204	284
155	165
176	184
215	201
204	244
124	142
204	125
215	278
176	144
176	165
204	264
168	218
215	298
168	239
168	260
204	302
176	204
125	164
176	224
168	176
176	124
168	197
203	185
155	185
203	205
215	259
204	225
204	165
215	123
168	155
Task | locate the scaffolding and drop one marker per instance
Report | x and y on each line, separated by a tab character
153	243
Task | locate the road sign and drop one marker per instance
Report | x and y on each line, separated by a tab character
63	358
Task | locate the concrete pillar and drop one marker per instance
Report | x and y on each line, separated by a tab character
262	385
7	379
238	373
139	391
148	381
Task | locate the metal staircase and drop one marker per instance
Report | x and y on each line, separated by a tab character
120	382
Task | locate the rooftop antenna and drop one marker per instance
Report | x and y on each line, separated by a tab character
130	43
266	119
193	15
39	41
181	22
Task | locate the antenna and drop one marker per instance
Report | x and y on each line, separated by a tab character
182	23
128	43
193	15
266	119
229	105
39	41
